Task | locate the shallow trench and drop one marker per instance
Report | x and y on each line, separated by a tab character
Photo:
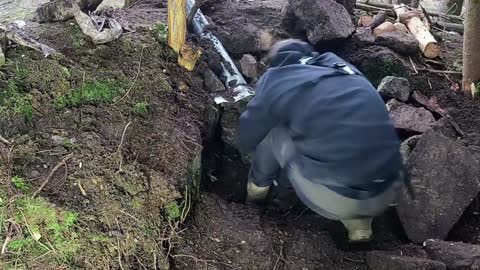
224	233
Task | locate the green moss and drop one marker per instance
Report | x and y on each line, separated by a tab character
47	232
161	31
20	184
69	144
77	36
140	108
13	100
173	211
92	93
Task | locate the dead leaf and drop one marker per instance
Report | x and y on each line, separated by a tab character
454	87
429	103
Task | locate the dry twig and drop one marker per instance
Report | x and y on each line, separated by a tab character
440	71
413	65
134	80
353	260
7	142
63	162
197	260
119	148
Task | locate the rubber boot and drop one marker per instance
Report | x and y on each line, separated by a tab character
359	230
255	193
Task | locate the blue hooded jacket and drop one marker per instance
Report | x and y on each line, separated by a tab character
338	122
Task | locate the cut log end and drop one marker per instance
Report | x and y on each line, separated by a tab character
431	50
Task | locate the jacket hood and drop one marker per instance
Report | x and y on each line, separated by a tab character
291	53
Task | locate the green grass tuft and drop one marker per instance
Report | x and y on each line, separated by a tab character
91	93
173	211
11	99
46	231
161	30
140	108
20	184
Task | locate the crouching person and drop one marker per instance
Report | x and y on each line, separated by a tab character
317	118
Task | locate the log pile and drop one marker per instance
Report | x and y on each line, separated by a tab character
410	32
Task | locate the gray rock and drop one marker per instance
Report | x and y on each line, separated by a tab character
407	147
34	174
383	261
446	177
363	37
410	118
348	4
249	66
395	87
57	140
403	43
377	62
212	82
322	20
456	255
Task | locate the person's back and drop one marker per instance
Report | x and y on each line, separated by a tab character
341	135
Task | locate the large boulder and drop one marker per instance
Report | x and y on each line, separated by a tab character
247	26
446	178
212	83
348	4
395	87
403	43
456	255
383	261
409	118
363	37
376	62
323	21
407	146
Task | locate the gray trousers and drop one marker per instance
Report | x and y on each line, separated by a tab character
273	155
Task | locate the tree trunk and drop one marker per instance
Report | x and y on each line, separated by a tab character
471	47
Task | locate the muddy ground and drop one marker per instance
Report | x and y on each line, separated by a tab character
133	124
226	234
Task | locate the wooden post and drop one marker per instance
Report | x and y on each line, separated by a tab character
177	24
177	34
471	47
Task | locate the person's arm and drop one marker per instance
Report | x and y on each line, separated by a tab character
256	121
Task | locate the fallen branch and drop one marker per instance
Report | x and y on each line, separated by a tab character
369	7
389	7
378	19
440	71
134	80
7	142
15	34
63	162
456	27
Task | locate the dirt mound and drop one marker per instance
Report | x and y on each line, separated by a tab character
131	122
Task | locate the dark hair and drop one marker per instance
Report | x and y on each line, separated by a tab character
289	45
